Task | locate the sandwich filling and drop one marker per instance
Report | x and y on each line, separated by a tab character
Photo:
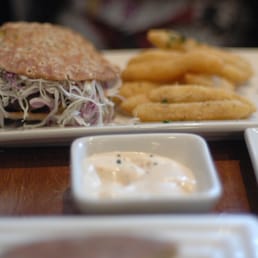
40	102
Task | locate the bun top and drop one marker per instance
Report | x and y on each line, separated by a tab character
51	52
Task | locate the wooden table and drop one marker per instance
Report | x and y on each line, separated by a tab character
35	181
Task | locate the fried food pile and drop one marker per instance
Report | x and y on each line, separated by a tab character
181	79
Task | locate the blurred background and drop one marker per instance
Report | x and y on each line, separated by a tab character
118	24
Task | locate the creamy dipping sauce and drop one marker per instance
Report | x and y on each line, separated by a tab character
128	174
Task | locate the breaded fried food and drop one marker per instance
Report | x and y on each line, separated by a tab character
196	111
169	39
153	54
128	105
130	89
235	68
190	93
195	81
208	80
170	70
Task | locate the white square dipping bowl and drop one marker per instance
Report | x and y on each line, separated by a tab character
188	149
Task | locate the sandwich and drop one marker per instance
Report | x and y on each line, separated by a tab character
53	76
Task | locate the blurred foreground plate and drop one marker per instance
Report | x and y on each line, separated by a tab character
220	236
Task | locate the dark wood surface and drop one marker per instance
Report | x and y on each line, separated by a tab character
36	181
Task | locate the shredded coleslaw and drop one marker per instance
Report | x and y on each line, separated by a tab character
69	103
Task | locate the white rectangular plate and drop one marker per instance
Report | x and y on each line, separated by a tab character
251	138
212	129
218	236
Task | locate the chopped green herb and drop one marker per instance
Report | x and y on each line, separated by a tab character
164	101
175	38
182	38
167	121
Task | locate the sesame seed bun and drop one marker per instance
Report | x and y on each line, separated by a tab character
51	52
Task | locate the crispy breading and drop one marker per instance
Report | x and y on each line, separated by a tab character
130	89
208	80
196	111
190	93
51	52
153	54
170	70
128	105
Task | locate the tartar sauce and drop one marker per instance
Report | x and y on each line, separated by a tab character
127	174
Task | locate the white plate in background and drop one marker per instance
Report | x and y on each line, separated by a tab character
209	236
251	139
212	129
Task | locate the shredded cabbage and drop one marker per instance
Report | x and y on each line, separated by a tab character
70	103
